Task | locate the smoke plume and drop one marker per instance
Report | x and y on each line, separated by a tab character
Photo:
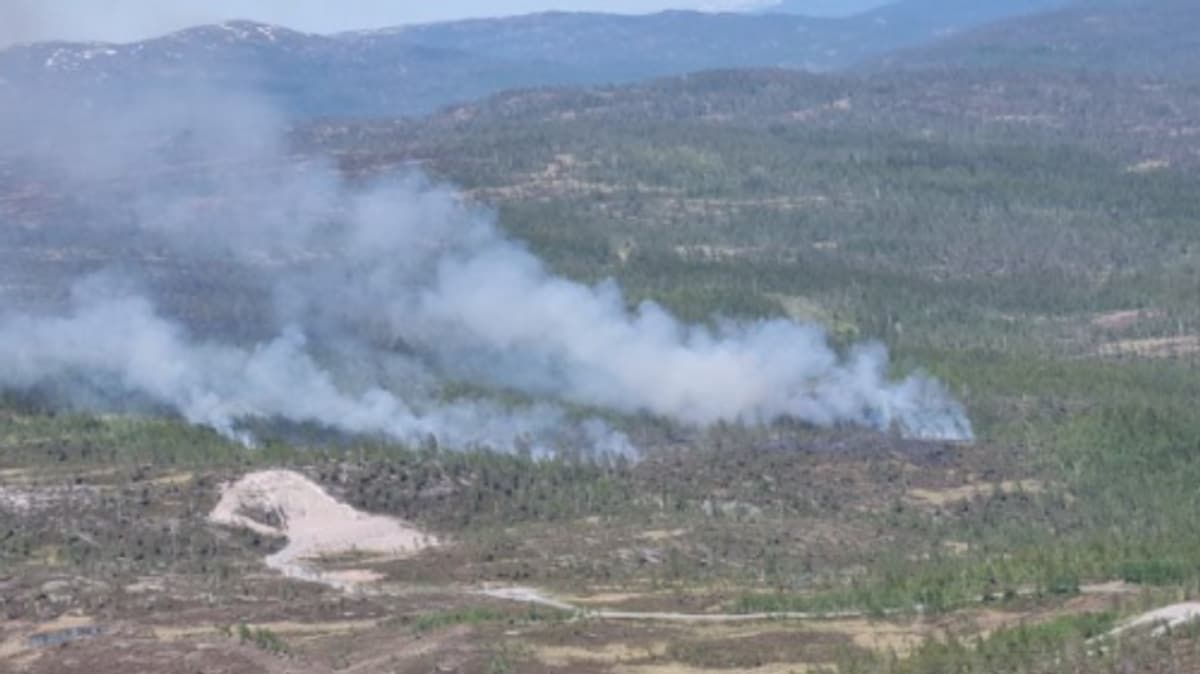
374	301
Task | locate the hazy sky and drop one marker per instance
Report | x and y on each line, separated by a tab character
125	20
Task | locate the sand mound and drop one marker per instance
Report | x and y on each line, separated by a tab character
14	501
315	525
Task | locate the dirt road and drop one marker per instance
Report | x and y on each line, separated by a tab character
528	595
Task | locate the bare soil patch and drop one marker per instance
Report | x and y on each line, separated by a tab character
1123	320
1154	347
315	525
941	497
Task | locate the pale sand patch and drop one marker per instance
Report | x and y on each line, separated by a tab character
315	524
1115	587
170	634
661	534
1161	621
18	474
956	547
1149	166
1122	320
988	621
610	654
12	646
351	577
603	598
875	636
778	668
1154	347
14	501
147	584
179	479
939	497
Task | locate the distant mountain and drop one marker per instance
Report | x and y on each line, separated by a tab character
1160	37
310	75
678	42
613	47
918	20
414	70
929	17
823	7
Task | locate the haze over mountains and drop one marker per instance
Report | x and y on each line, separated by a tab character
415	70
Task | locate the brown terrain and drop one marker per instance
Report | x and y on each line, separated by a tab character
269	571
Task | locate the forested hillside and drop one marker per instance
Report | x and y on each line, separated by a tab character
979	211
1133	36
1132	118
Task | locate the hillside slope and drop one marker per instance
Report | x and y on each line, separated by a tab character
1160	37
1133	119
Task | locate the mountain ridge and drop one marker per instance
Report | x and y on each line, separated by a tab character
414	70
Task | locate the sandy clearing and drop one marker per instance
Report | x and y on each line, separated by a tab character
611	654
659	535
603	598
176	479
14	501
1149	166
938	497
1123	320
1156	347
880	636
1162	620
315	524
19	474
1114	587
778	668
876	636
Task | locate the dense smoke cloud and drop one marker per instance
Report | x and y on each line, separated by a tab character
380	295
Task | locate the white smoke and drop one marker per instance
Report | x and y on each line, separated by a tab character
120	341
383	293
